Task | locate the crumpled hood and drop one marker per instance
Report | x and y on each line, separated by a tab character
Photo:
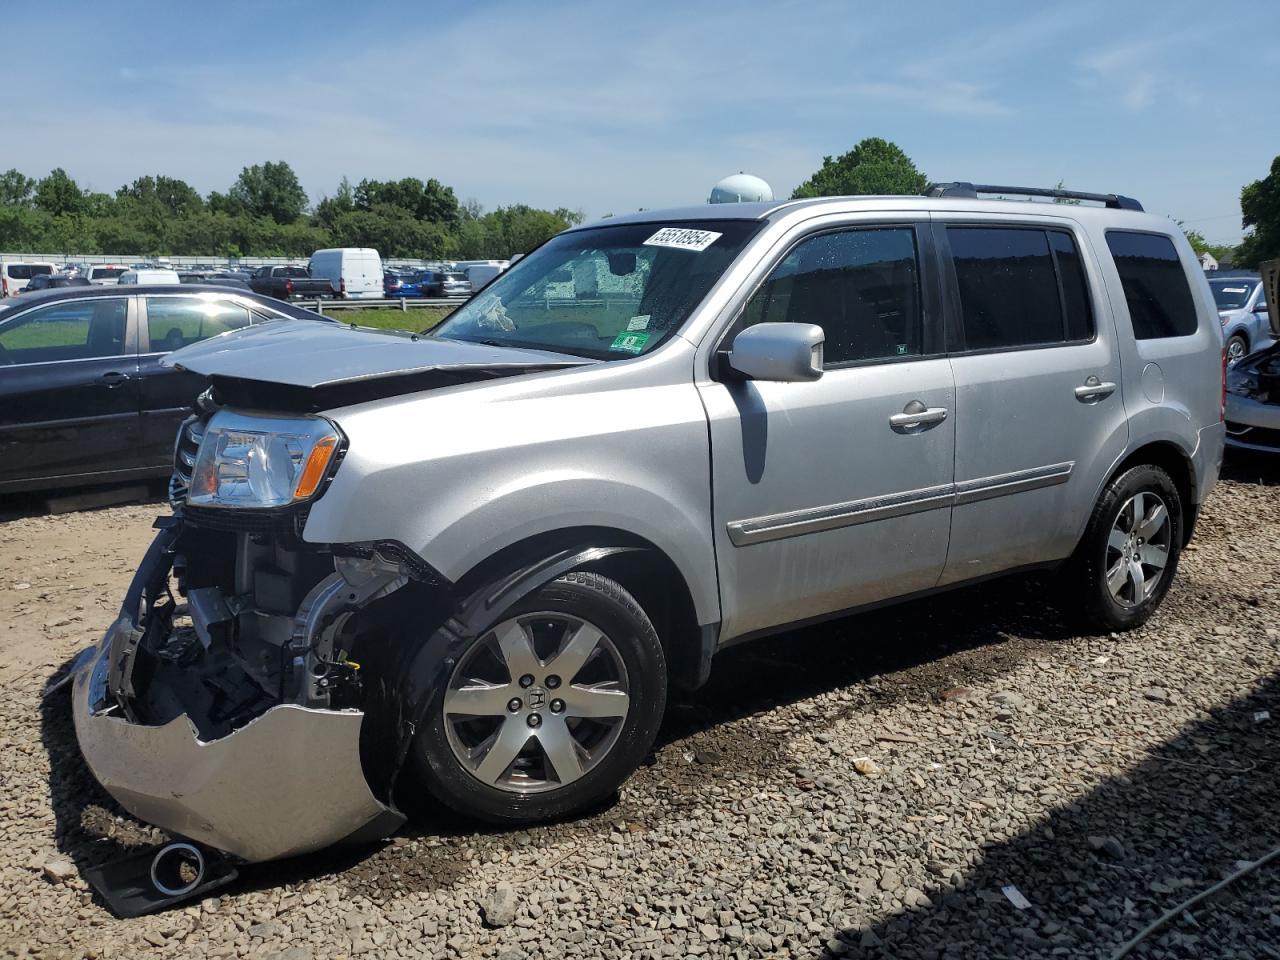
307	353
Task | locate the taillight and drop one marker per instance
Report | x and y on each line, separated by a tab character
288	288
1222	409
342	288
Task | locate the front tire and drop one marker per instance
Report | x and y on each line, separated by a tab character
1237	347
1129	554
545	714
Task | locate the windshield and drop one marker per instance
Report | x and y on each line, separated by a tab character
608	293
1231	294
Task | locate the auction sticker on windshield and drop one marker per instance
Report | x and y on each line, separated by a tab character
682	239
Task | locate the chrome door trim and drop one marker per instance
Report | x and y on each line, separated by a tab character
797	523
1001	485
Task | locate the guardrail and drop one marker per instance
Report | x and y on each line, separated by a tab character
398	303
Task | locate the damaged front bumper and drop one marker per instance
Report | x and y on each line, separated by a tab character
285	781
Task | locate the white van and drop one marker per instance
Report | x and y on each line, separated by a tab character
151	276
355	272
15	276
481	273
104	274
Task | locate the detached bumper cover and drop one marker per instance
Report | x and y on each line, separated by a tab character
288	782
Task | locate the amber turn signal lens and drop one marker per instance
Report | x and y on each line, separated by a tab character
317	464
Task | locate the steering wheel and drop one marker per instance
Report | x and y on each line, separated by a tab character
4	355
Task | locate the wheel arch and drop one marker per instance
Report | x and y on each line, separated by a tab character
641	567
1173	460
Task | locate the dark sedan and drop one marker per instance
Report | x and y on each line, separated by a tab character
52	281
83	397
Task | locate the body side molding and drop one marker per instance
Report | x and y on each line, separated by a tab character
796	523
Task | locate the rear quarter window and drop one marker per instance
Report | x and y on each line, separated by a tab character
1155	284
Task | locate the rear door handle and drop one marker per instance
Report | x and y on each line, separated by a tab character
1094	389
114	378
916	414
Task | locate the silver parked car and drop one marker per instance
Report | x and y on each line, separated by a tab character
1253	385
1242	308
476	561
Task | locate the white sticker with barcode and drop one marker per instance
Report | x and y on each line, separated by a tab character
683	239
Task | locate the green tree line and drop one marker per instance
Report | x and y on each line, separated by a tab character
265	212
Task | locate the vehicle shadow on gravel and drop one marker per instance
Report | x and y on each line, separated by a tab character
1101	868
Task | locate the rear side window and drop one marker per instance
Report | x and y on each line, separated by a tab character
1155	286
1019	287
176	322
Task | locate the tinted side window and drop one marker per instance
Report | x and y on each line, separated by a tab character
65	331
861	286
176	322
1155	286
1075	289
1008	287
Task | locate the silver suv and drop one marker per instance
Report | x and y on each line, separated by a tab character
474	562
1242	308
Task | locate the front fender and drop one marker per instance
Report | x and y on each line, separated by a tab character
550	504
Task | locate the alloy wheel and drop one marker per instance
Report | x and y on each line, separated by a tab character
1138	548
536	703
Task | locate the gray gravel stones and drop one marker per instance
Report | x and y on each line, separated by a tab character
1008	753
499	906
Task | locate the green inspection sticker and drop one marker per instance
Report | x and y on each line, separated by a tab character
630	342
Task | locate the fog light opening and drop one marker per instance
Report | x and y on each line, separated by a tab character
177	869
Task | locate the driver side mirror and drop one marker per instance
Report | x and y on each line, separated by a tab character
784	352
1260	308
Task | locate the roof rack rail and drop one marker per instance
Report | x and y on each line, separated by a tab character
970	191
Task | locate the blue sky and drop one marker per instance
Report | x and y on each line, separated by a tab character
611	107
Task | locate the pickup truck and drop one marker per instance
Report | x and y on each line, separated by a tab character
289	283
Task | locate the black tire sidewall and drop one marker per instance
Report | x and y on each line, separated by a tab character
1102	608
609	607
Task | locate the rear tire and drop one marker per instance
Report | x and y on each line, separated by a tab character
1129	553
527	728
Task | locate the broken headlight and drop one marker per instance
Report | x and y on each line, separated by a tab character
259	462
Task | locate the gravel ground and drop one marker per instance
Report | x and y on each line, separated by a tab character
864	789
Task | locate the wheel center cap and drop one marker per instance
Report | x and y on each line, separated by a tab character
536	698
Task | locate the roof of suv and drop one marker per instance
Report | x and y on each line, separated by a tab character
772	209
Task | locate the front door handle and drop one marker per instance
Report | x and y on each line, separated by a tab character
915	414
1094	389
114	378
